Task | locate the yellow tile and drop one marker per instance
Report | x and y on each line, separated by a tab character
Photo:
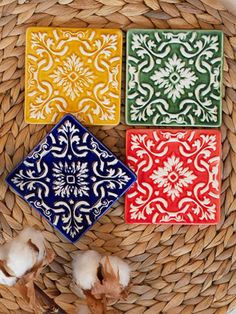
73	71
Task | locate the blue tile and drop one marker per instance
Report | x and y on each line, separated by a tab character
70	178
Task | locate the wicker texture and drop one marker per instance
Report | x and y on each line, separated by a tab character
176	269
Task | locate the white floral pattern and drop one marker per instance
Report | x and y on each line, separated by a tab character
175	78
173	177
178	176
73	70
70	179
73	76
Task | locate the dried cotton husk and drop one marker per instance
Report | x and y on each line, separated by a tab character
102	279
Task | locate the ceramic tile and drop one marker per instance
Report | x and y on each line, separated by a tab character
74	71
174	77
178	176
71	178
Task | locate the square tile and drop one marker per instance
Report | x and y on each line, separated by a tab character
70	178
74	71
174	77
178	176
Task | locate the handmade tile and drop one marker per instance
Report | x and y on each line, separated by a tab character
74	71
71	178
174	77
178	176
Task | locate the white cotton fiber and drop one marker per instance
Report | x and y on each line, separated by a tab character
20	258
7	281
37	239
20	255
26	250
85	266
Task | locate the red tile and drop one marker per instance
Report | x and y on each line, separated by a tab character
178	176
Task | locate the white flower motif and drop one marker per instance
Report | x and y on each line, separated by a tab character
73	76
175	78
70	179
173	177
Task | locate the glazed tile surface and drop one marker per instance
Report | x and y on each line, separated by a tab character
71	178
73	71
178	176
174	77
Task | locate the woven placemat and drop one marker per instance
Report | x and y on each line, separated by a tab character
176	269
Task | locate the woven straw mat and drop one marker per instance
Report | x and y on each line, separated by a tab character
175	269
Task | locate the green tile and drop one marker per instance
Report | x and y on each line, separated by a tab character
174	77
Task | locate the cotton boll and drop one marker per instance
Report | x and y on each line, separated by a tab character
102	279
22	253
25	251
20	258
5	279
120	267
36	238
21	261
85	266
